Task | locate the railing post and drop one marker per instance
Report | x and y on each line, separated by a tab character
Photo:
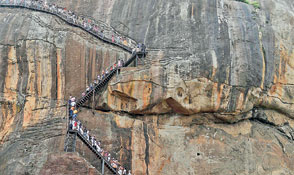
117	70
67	116
102	168
117	75
93	104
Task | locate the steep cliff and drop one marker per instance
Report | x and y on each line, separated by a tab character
213	96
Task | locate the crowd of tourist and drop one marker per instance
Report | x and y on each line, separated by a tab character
104	73
75	124
140	48
71	17
92	27
116	66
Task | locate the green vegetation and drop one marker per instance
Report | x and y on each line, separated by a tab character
254	3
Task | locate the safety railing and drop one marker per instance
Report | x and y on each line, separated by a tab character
105	80
89	145
74	20
90	27
109	36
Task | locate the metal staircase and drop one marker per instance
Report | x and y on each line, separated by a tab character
27	4
108	77
70	146
72	135
70	143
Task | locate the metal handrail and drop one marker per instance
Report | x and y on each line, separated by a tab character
35	5
31	6
104	80
85	140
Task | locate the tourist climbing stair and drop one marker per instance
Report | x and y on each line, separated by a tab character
90	27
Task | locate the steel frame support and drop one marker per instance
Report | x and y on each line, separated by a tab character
102	168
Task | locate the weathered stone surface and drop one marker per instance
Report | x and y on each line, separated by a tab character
215	95
42	61
172	144
25	150
67	164
37	61
232	57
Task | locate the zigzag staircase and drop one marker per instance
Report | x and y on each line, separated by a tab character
72	135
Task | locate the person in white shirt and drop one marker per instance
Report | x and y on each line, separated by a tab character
134	51
95	145
78	126
108	157
88	136
87	89
93	140
81	130
73	104
119	64
99	79
74	125
99	149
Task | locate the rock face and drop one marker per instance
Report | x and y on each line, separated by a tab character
42	61
172	144
213	96
68	164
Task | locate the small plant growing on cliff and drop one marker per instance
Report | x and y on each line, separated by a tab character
255	4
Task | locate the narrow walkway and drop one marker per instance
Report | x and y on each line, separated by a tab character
111	37
105	162
107	78
72	133
84	24
88	25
